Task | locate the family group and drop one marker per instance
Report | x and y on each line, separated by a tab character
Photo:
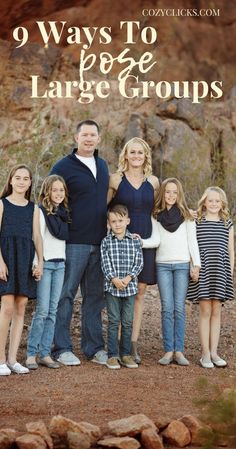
110	235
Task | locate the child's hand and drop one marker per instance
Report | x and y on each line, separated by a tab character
118	283
37	271
194	273
126	280
3	271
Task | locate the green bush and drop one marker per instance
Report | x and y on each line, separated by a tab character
219	416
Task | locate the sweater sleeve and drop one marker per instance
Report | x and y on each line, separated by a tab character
57	224
192	243
154	240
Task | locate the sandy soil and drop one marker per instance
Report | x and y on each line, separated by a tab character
93	393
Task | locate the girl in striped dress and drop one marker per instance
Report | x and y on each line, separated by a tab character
215	237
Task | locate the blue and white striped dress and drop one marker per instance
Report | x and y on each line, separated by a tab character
215	280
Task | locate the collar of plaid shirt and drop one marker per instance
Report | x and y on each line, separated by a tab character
127	234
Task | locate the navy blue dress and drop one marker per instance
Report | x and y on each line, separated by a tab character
140	204
17	249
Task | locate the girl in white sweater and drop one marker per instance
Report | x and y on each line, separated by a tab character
174	231
54	219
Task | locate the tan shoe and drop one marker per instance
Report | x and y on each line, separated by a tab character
31	363
128	362
113	363
49	363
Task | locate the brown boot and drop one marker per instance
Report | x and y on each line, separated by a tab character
134	352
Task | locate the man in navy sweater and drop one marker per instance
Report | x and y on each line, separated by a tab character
86	176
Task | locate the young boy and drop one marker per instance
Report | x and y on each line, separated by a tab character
122	261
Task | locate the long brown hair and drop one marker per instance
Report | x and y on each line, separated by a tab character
45	193
180	202
7	189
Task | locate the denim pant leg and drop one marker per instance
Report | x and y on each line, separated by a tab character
114	305
57	278
77	256
165	285
181	281
127	315
41	312
93	302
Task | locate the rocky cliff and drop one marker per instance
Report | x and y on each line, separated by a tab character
196	142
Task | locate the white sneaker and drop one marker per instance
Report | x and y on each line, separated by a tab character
68	358
219	362
17	368
206	364
100	357
4	370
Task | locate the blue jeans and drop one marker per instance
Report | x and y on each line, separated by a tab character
48	294
119	310
173	280
83	268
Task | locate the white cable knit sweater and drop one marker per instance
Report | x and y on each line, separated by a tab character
174	247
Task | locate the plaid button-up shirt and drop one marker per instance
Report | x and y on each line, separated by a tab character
121	258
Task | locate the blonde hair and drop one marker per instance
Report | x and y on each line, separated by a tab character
223	213
160	203
46	190
7	189
123	163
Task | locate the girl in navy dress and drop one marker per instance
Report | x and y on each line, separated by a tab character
134	186
215	237
19	237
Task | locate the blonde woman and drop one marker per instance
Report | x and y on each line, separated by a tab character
134	186
215	236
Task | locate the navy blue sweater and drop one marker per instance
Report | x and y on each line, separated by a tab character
87	198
